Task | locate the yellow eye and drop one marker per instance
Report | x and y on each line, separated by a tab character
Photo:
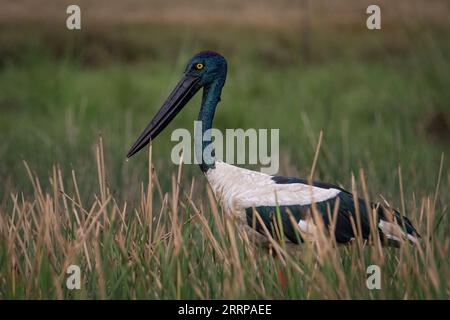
199	66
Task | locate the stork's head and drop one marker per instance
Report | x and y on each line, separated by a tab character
202	70
208	66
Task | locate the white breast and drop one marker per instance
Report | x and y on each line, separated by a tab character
239	188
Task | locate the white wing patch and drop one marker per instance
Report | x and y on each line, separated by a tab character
239	188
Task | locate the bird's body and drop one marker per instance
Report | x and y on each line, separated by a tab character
259	200
245	192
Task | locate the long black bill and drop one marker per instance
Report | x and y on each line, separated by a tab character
181	94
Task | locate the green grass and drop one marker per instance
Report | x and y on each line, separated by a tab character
375	107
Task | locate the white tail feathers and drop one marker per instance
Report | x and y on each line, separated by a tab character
393	231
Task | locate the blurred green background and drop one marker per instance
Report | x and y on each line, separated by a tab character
381	97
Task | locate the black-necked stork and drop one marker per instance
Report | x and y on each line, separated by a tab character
243	191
